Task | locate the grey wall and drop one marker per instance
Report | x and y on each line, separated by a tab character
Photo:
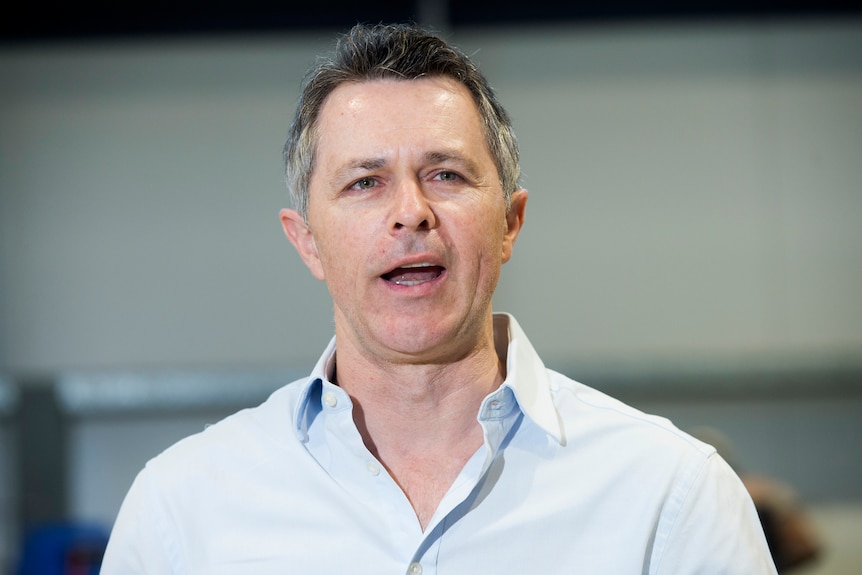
140	194
696	192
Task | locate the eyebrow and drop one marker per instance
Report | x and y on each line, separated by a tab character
361	165
470	166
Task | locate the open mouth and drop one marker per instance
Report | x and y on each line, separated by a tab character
415	274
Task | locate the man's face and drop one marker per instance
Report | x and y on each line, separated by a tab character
407	221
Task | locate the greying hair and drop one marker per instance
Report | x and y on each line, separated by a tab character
401	52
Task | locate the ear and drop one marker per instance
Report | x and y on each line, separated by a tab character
514	222
299	234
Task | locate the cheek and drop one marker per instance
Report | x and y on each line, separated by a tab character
341	250
494	235
489	248
331	249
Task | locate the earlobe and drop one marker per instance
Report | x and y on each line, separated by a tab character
514	222
299	234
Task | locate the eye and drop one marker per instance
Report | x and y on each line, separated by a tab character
364	184
447	176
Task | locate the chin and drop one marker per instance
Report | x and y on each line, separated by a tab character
414	339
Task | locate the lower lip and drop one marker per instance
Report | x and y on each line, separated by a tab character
418	289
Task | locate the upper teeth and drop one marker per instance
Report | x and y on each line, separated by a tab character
419	265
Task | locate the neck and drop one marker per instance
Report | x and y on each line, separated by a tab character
419	420
418	405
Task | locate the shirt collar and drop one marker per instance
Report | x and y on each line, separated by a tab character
526	377
309	404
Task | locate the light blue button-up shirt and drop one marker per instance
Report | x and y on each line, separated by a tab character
568	480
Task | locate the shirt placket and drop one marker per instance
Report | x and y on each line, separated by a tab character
498	417
351	464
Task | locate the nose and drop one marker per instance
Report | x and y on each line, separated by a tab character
411	209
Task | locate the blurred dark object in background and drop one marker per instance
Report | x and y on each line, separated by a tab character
788	529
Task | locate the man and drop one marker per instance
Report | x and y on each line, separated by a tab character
429	438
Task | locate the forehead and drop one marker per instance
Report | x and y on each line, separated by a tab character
426	91
358	117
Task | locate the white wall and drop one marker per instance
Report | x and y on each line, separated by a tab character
695	197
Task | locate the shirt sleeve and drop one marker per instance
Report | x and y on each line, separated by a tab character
139	542
712	528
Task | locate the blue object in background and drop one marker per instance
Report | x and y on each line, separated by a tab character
63	549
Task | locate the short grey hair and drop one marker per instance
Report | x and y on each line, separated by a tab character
392	51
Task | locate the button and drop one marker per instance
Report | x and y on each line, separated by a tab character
373	468
495	404
414	569
329	399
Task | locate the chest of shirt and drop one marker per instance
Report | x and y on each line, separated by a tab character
532	511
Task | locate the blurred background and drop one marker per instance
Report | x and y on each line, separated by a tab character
693	243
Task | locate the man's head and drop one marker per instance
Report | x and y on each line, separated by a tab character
404	214
398	52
